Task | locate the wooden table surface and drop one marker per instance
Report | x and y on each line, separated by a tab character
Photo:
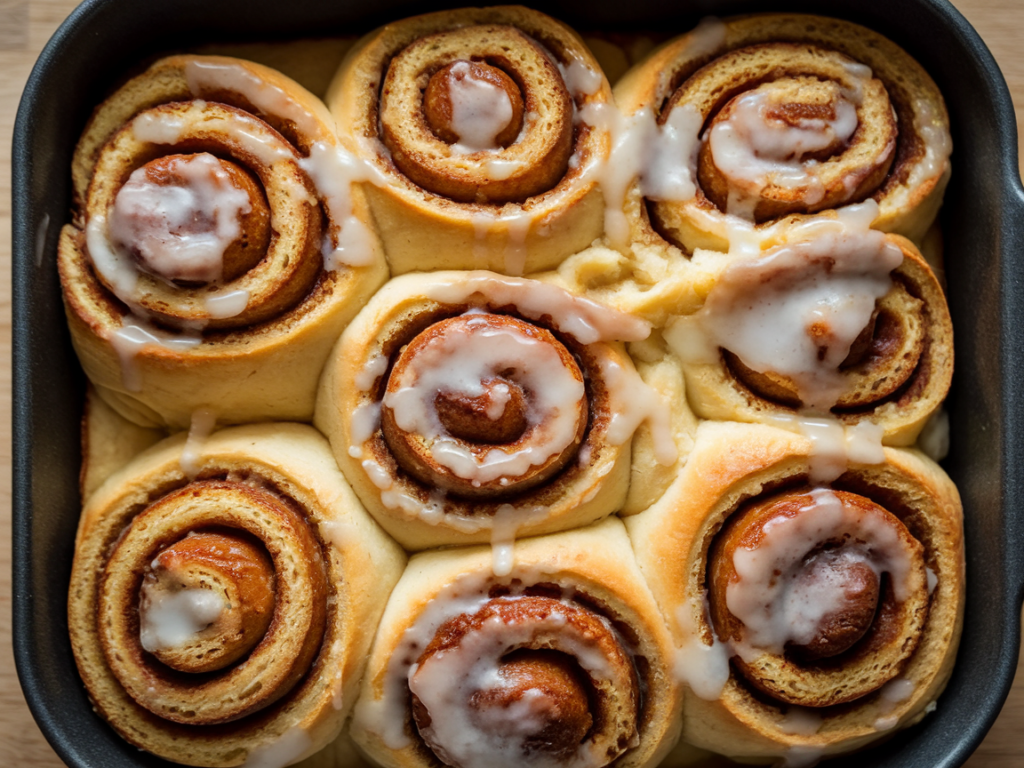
25	26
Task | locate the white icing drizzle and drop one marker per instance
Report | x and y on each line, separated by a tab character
933	579
801	721
507	521
580	78
204	421
497	736
663	158
633	402
583	319
938	145
287	749
205	76
180	231
174	619
702	666
228	304
365	422
135	334
460	362
796	310
755	151
447	682
480	110
810	301
373	370
891	695
777	605
331	168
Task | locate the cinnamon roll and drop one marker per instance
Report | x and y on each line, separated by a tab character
564	662
467	119
771	116
836	321
467	407
810	620
223	596
214	232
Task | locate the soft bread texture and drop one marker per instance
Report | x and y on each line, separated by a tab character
361	563
109	441
910	193
594	565
423	230
592	486
234	372
732	463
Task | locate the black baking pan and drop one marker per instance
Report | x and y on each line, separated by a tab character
983	221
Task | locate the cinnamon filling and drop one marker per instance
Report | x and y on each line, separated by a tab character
192	219
226	566
882	360
474	104
788	128
478	114
822	595
484	405
213	603
526	680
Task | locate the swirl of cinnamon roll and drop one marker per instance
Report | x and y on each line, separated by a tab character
214	618
465	407
467	118
834	320
810	620
776	115
213	227
561	663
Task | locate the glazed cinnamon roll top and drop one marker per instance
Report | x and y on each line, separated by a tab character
788	115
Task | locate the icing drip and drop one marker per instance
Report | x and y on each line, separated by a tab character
204	421
661	157
755	150
460	364
135	334
293	744
458	679
450	681
180	231
331	168
172	620
892	694
480	110
810	302
774	600
703	666
583	319
796	311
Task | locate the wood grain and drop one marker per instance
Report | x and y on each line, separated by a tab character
25	26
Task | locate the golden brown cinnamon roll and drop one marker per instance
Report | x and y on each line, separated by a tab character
224	593
564	662
810	619
777	115
214	231
835	321
467	119
467	407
